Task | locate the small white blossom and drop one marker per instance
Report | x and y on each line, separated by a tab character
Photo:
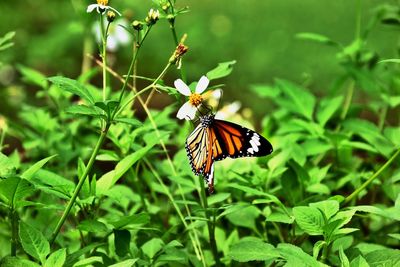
188	110
101	6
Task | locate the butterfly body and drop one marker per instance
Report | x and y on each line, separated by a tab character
213	140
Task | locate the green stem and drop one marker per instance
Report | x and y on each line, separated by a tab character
126	80
373	177
104	53
210	223
14	231
80	183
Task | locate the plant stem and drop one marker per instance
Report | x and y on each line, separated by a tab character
382	117
80	183
210	223
14	231
104	54
373	177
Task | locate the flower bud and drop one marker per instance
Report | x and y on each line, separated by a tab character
152	17
176	58
137	25
110	16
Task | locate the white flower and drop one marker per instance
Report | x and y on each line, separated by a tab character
117	35
101	6
228	111
188	110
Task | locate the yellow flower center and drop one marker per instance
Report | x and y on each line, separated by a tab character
102	2
195	99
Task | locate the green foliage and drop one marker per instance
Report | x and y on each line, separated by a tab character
92	176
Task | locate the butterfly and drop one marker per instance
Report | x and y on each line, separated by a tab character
214	140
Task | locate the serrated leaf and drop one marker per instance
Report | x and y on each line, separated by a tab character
246	251
84	110
151	247
295	256
309	219
73	87
9	261
35	167
14	189
383	257
328	207
34	242
57	258
223	69
130	121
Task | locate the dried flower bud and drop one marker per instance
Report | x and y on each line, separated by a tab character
137	25
176	58
110	16
152	17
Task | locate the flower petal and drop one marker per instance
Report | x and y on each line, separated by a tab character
182	87
91	7
202	84
187	112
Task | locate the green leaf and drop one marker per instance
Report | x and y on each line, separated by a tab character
383	257
6	165
109	179
122	240
33	76
217	198
34	242
345	242
390	60
245	217
246	251
223	69
395	236
88	261
266	91
14	189
309	219
317	248
73	87
28	174
295	256
5	41
125	263
53	183
316	38
371	133
130	121
151	247
93	226
296	99
328	107
57	258
343	258
136	219
328	207
9	261
359	261
84	110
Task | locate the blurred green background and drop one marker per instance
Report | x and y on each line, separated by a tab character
260	35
